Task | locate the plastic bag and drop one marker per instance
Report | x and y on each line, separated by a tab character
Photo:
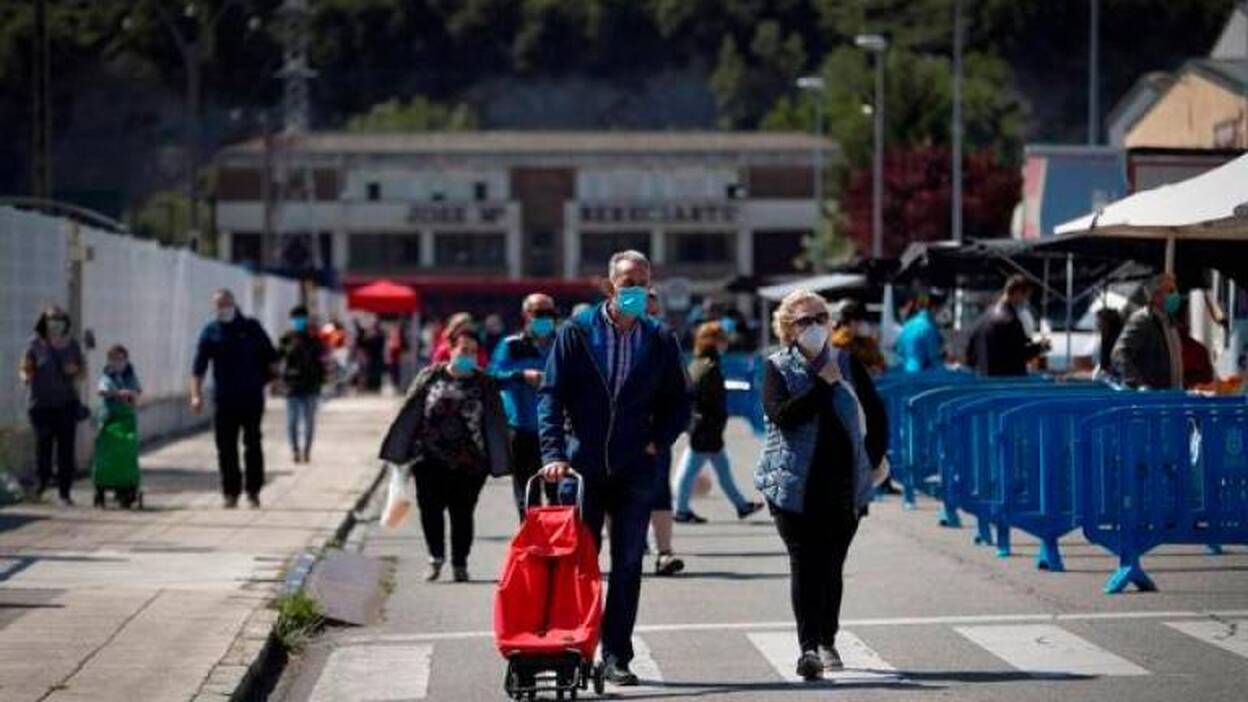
702	484
400	496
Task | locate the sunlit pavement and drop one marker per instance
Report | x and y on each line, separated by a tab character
927	615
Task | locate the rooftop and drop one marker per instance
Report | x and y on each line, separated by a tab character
551	142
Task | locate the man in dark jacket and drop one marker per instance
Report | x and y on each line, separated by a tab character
243	362
999	345
614	396
517	365
1149	353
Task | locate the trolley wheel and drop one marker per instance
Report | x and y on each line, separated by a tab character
100	498
125	497
139	500
600	681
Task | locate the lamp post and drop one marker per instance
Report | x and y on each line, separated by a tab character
816	85
877	44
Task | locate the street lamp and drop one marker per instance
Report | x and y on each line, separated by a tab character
816	85
877	44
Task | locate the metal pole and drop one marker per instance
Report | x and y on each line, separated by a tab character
817	233
41	112
1070	308
956	223
1094	71
192	140
877	184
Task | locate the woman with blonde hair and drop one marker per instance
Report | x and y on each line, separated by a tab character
706	430
822	457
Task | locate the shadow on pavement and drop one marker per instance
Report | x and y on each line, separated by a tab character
21	562
160	480
905	680
9	522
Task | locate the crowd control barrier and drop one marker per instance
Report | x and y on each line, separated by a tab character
1132	470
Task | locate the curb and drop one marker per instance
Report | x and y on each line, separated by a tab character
256	658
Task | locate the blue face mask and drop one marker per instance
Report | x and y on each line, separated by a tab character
1173	302
299	324
541	327
631	301
464	364
728	324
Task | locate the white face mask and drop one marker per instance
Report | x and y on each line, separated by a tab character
227	314
813	338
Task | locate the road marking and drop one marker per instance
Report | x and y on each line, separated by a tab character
375	673
1227	635
862	664
855	623
1046	650
643	665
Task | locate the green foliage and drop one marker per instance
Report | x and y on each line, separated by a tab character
745	85
166	217
418	115
299	618
918	103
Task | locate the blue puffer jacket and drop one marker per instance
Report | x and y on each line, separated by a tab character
787	453
579	420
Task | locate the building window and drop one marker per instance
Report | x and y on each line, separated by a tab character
383	251
481	191
597	247
470	250
776	251
373	191
245	248
700	248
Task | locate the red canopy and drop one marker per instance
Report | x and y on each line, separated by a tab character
384	297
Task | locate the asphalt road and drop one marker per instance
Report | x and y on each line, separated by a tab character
927	615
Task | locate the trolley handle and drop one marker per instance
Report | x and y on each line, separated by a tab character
580	490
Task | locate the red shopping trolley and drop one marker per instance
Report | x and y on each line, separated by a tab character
548	607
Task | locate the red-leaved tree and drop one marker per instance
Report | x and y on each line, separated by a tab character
917	198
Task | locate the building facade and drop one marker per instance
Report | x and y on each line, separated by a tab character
707	206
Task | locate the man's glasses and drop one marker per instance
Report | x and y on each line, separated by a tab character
803	322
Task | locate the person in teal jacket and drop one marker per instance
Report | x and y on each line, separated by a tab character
920	345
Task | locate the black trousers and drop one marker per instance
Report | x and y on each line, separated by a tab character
229	420
440	490
817	547
526	459
55	427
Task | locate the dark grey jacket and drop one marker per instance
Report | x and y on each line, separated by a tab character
1141	356
401	444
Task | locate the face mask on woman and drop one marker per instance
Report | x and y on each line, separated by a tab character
299	324
813	338
1173	301
57	326
464	365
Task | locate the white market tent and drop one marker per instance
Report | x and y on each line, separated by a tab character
1207	216
830	282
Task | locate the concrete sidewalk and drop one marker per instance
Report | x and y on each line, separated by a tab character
169	603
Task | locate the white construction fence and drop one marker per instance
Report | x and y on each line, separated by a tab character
119	290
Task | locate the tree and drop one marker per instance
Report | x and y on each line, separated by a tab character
917	198
418	115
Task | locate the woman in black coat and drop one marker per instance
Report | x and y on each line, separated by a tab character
453	432
706	430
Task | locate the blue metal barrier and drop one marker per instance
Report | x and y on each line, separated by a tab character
1164	475
743	382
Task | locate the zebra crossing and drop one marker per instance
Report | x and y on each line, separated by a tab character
390	669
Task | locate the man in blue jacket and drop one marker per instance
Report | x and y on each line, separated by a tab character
614	397
518	364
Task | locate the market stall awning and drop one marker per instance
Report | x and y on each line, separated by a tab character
1188	226
823	284
384	297
984	264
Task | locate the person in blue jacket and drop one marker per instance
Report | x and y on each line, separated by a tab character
613	399
518	364
920	345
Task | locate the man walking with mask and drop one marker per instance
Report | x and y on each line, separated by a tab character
999	345
243	362
1149	352
613	398
518	364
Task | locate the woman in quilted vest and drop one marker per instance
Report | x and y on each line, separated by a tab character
822	457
